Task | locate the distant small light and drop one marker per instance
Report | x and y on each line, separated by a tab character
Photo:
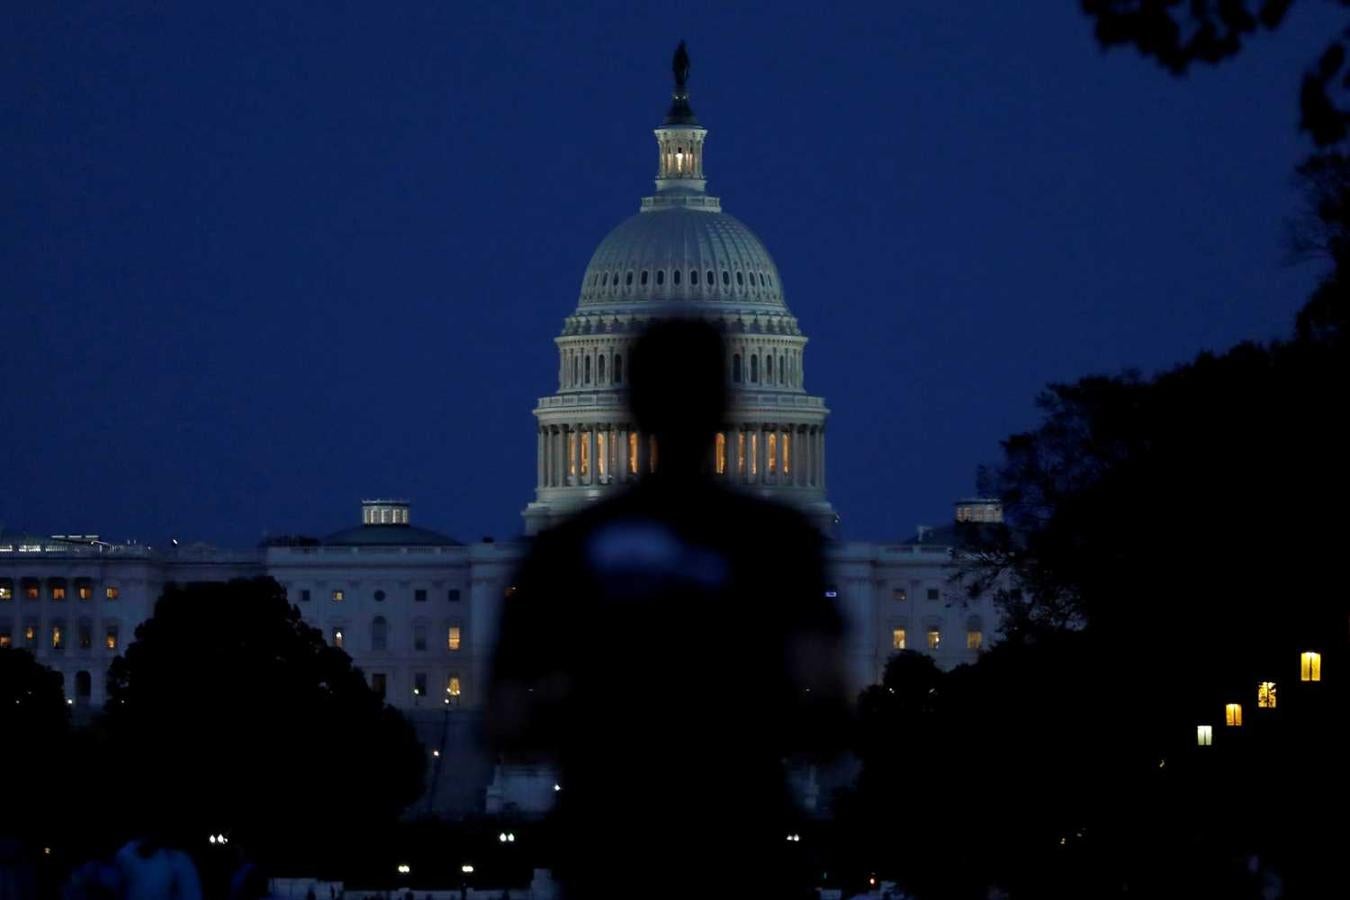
436	753
510	837
46	851
466	869
831	594
404	868
502	837
69	702
557	787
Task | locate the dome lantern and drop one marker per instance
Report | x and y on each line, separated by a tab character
680	138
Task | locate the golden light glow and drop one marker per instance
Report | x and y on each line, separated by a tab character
30	591
934	639
5	640
111	592
452	687
86	591
572	454
602	453
30	633
720	454
452	638
632	452
740	453
897	639
974	640
754	453
58	592
110	639
6	592
771	451
585	454
1204	735
338	596
1310	666
1265	695
1232	715
787	453
337	638
58	637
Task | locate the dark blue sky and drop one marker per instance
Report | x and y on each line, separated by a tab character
257	265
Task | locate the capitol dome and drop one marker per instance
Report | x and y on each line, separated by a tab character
680	254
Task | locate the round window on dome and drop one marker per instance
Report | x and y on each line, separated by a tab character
726	277
712	278
660	276
604	280
675	277
643	277
693	276
761	279
740	279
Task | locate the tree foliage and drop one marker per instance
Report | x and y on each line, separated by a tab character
35	726
232	715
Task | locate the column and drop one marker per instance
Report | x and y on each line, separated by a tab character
539	457
808	436
590	454
822	457
573	455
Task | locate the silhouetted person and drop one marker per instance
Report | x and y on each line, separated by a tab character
153	870
667	648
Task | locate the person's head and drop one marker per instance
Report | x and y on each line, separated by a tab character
678	390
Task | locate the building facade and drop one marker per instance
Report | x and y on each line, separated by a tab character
417	610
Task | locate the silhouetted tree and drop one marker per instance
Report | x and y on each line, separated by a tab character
35	726
232	715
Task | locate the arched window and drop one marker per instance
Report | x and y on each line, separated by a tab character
618	369
643	278
628	279
712	278
768	369
726	277
588	370
675	277
84	686
693	276
604	280
754	370
576	366
600	370
736	368
761	280
660	276
379	634
740	279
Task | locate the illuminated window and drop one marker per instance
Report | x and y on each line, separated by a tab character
110	637
338	596
452	637
585	454
58	636
632	453
740	453
974	640
572	454
720	454
419	684
787	455
85	636
934	638
602	454
618	369
1204	735
337	638
378	684
754	453
897	639
1232	715
771	452
6	639
420	595
379	634
453	595
419	636
84	687
453	689
1310	666
84	590
31	589
900	594
1265	695
6	590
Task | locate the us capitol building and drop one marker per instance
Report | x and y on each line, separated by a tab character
417	610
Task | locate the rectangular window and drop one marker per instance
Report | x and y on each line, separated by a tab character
420	595
378	684
111	592
452	638
453	690
934	594
58	592
419	684
110	637
897	639
31	589
771	452
632	453
974	640
86	636
304	596
1265	695
934	639
6	590
58	636
6	639
338	596
1204	735
900	595
453	595
419	637
337	638
30	636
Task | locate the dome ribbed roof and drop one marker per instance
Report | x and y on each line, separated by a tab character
666	255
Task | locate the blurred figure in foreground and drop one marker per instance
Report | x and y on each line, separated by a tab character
669	649
153	870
